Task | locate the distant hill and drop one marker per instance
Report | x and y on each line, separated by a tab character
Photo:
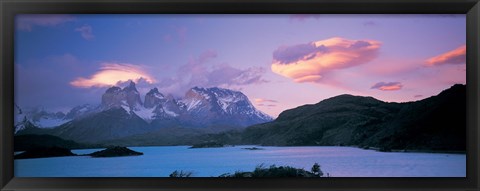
180	136
44	152
29	142
435	123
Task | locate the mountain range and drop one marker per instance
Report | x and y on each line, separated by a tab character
227	117
122	113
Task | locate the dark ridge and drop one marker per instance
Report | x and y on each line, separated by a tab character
31	141
436	123
44	152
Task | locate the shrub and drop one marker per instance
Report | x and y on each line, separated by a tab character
277	171
181	174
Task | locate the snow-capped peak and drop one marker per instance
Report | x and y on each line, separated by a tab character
157	94
153	98
200	107
38	117
114	97
229	101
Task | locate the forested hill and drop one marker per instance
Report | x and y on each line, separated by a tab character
434	123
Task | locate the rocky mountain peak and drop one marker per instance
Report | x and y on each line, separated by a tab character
80	111
154	91
131	87
113	89
153	98
219	105
128	97
199	108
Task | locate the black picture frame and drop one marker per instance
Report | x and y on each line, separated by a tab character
9	8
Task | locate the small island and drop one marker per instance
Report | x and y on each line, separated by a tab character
253	148
207	145
44	152
115	151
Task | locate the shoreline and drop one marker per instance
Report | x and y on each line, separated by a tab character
415	151
258	146
369	148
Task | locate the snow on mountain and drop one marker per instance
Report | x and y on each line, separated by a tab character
145	113
191	103
221	106
22	125
153	98
231	102
80	111
18	127
200	107
170	108
125	106
225	102
194	98
116	97
37	117
47	122
171	113
20	119
19	114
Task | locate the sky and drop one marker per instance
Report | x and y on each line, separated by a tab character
279	61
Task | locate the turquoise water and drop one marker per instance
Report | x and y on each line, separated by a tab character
206	162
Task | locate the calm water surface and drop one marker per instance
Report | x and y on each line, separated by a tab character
207	162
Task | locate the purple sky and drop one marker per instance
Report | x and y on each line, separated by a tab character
278	61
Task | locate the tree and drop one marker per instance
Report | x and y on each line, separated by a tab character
316	170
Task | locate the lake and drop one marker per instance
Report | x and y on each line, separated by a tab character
206	162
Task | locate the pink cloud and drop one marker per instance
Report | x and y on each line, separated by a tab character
387	86
86	31
456	56
27	22
112	74
262	100
310	62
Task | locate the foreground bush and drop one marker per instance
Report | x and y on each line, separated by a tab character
280	171
181	174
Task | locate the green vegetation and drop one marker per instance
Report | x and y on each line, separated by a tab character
207	145
433	124
181	174
316	170
277	171
262	171
253	148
